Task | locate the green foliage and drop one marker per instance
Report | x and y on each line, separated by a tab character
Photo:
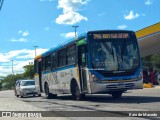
29	71
152	61
155	59
0	85
146	61
9	81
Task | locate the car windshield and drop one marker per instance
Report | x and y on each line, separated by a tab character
27	83
114	55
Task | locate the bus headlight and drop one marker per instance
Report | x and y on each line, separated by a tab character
95	78
140	77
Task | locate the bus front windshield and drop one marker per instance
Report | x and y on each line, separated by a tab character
114	55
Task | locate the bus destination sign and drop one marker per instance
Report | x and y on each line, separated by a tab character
111	36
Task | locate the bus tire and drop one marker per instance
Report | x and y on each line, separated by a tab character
76	95
116	94
47	93
39	95
54	96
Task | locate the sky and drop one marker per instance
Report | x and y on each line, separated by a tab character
46	23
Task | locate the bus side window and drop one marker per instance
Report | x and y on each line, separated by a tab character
71	54
48	62
62	57
54	60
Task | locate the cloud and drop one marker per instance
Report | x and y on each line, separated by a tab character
143	14
46	28
68	35
26	33
71	5
102	14
46	0
123	26
70	13
148	2
131	15
19	40
70	18
20	31
23	33
20	59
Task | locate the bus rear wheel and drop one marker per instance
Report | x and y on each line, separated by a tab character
116	94
76	92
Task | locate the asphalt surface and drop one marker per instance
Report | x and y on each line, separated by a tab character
147	99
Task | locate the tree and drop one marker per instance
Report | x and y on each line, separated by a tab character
29	71
146	61
0	85
155	60
152	61
9	81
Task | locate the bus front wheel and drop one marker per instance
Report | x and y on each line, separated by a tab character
117	94
76	92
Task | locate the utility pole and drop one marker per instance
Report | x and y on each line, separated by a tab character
12	68
75	27
35	50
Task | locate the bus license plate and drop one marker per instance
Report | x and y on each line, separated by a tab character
120	86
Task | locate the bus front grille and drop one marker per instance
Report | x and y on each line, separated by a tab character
118	86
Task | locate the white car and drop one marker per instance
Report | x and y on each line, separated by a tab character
26	88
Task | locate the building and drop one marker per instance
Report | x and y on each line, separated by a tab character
149	40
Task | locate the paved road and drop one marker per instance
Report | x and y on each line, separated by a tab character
8	102
144	99
134	100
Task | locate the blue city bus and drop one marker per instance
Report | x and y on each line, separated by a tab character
96	62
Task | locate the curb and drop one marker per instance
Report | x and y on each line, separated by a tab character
157	86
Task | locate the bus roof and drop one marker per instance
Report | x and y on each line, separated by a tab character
97	31
70	41
63	45
37	57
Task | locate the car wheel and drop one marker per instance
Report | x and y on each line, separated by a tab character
21	96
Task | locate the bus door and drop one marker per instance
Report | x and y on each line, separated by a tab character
82	61
40	73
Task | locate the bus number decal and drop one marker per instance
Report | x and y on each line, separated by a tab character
111	36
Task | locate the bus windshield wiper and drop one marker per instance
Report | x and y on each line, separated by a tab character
118	71
122	50
109	49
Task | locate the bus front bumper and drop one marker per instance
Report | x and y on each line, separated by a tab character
97	87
